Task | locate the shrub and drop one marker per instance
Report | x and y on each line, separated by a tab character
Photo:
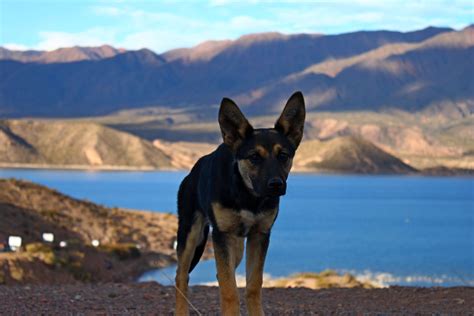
44	252
122	251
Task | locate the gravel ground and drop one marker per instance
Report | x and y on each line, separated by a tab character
154	299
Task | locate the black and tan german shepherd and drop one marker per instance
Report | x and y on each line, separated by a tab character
237	190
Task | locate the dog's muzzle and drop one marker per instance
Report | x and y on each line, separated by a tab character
276	187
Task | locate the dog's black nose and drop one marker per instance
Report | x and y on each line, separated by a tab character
276	186
275	183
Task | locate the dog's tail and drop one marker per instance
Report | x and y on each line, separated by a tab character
199	249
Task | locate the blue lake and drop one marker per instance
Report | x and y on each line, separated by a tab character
395	229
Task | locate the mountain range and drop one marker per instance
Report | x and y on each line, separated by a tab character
425	70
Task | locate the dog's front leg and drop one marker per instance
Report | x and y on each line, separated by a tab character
257	245
226	250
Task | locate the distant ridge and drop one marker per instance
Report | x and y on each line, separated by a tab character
61	55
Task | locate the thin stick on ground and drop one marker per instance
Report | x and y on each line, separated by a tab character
182	294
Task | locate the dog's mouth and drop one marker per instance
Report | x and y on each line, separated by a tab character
275	193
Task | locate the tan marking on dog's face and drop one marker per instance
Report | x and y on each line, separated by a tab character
248	171
262	151
276	149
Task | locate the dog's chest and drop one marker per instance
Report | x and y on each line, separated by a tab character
243	221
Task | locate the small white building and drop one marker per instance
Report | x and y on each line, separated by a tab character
48	237
14	242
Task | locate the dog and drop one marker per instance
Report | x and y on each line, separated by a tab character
236	189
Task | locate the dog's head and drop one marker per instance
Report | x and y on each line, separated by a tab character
263	156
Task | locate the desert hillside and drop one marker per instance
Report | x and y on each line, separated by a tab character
347	142
130	241
64	143
422	140
347	154
183	155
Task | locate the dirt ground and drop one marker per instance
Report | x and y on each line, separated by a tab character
154	299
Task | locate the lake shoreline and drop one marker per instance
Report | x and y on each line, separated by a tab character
436	172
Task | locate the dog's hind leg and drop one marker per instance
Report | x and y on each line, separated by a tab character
228	250
188	241
200	248
257	245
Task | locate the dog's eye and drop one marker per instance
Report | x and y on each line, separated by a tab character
283	157
255	158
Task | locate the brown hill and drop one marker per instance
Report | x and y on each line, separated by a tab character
75	144
61	55
28	210
347	155
183	155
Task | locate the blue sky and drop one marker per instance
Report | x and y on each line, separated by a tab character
163	25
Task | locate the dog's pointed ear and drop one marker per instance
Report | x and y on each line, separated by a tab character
291	121
234	126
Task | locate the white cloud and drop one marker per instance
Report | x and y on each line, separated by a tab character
244	22
91	37
161	30
158	41
217	3
167	25
107	10
14	46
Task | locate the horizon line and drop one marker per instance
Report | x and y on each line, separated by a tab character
3	46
